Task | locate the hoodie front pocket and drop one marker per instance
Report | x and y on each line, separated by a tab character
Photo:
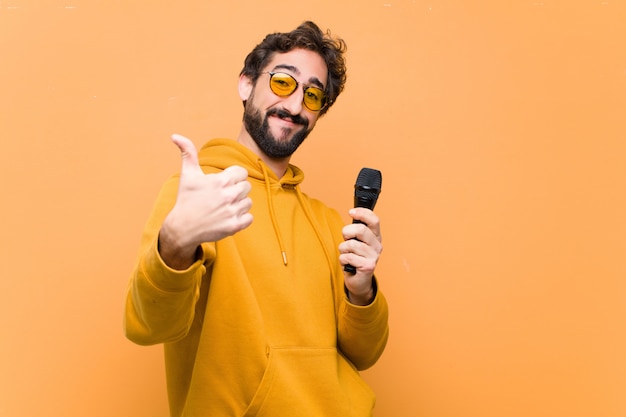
310	382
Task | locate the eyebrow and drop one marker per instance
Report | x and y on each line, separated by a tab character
295	70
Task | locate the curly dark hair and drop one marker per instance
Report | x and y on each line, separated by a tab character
306	36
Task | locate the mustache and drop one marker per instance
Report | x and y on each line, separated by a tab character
283	114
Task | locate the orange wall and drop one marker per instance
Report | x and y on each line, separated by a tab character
500	131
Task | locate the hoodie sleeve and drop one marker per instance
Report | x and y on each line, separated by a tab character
160	301
362	330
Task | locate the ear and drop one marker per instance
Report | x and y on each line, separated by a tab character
245	87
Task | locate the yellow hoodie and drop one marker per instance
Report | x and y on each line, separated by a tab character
260	324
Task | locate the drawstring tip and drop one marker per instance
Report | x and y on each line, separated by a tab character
284	258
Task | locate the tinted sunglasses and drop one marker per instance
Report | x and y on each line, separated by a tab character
284	85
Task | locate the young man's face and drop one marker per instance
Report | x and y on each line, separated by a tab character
279	124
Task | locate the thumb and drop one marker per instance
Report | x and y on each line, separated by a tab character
189	154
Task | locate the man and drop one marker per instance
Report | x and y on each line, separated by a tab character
252	304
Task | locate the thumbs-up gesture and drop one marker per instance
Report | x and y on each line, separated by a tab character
208	207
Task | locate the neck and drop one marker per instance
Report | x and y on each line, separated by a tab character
278	166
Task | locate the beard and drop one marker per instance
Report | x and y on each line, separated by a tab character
257	126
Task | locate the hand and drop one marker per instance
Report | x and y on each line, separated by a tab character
362	248
209	207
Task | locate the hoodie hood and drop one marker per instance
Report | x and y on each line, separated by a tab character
223	153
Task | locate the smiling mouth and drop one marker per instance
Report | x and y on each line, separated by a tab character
288	120
285	116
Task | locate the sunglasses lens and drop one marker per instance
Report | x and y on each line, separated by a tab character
283	84
314	98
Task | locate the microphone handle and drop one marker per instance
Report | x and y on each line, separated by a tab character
349	268
360	201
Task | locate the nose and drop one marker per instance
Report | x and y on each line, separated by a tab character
294	103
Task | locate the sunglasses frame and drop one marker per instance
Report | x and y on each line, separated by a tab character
325	100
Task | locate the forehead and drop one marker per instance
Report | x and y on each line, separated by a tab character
306	65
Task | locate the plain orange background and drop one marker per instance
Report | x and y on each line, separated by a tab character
500	130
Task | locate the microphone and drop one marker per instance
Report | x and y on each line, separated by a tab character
366	190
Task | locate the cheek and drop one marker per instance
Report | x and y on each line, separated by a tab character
258	99
312	121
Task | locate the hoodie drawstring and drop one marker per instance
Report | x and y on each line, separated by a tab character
309	216
270	205
307	212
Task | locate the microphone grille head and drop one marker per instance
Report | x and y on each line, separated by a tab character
367	188
370	179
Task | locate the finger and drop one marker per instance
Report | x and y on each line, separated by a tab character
243	189
235	174
236	178
358	231
354	246
244	211
367	217
189	154
370	248
363	261
364	215
360	263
